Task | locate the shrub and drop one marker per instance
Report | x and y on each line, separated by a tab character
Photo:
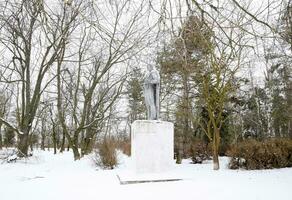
200	151
268	154
125	146
106	156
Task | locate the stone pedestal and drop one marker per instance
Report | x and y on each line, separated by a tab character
152	146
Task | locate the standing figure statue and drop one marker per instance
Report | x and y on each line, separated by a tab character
151	93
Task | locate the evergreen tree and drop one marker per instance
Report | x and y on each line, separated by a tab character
181	63
137	108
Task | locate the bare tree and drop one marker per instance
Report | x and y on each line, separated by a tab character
91	86
33	35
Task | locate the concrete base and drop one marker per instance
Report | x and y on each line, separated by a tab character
130	178
152	146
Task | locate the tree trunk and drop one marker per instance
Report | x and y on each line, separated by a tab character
23	145
1	144
76	153
85	146
74	147
48	144
289	104
179	150
277	128
55	147
186	128
31	146
216	142
42	141
88	142
63	143
54	140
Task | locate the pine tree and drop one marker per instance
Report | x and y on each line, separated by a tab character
181	63
137	109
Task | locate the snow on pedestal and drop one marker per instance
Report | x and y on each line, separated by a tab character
152	146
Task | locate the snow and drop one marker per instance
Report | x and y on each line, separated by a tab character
47	176
12	158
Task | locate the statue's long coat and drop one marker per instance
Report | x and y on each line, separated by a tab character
151	93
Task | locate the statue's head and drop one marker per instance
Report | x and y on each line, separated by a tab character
150	67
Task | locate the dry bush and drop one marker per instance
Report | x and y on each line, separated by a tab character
106	156
125	146
268	154
200	151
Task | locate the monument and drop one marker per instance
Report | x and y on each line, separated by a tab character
152	139
151	93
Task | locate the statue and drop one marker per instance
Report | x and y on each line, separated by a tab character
153	133
151	93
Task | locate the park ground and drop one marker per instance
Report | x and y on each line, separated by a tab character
57	177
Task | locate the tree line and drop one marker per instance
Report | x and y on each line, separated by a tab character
69	66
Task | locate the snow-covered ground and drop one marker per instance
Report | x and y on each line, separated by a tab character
58	177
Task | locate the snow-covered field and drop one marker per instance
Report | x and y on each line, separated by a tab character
58	177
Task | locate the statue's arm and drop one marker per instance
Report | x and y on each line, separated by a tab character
155	78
